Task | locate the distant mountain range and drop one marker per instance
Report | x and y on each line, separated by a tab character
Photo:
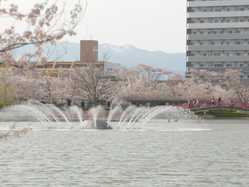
126	55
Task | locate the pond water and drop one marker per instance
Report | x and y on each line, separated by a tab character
201	153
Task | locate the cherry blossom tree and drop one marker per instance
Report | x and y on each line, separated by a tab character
226	85
91	84
37	23
42	22
146	83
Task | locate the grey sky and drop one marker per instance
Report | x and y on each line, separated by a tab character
148	24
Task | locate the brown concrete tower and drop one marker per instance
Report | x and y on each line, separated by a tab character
88	51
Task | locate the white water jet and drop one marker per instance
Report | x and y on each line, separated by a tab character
131	117
138	117
47	111
113	112
128	115
31	110
137	113
150	110
95	113
59	111
78	112
127	111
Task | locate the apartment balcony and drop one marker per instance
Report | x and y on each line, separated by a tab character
218	25
218	3
218	48
217	58
218	14
218	36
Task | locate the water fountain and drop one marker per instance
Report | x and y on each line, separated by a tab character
119	117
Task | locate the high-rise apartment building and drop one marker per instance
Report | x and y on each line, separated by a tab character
218	36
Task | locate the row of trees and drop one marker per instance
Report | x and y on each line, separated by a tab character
141	83
155	84
78	84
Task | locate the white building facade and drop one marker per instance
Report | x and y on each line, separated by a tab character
218	36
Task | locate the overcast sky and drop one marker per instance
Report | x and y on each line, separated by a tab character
148	24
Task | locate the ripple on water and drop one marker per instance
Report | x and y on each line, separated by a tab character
190	157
